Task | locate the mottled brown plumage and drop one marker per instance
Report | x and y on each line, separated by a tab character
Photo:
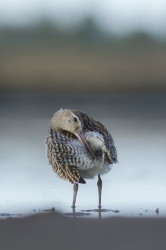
61	156
79	147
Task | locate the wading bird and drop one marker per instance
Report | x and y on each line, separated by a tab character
78	148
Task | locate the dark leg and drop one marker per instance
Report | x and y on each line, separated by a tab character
75	189
99	184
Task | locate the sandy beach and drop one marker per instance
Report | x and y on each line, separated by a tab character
54	231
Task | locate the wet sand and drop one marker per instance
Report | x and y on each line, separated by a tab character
54	231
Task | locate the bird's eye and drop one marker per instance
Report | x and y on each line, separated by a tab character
75	119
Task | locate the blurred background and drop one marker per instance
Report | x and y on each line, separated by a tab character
106	58
82	45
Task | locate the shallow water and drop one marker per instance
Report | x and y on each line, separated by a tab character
135	186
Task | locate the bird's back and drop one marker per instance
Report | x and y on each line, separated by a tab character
95	126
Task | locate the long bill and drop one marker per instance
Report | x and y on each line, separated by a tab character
83	140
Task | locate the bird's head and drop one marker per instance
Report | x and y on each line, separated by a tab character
67	120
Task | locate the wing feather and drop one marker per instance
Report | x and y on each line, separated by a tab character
91	125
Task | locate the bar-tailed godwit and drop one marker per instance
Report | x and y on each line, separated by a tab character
79	148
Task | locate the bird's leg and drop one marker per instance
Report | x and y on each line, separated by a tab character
99	184
75	189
